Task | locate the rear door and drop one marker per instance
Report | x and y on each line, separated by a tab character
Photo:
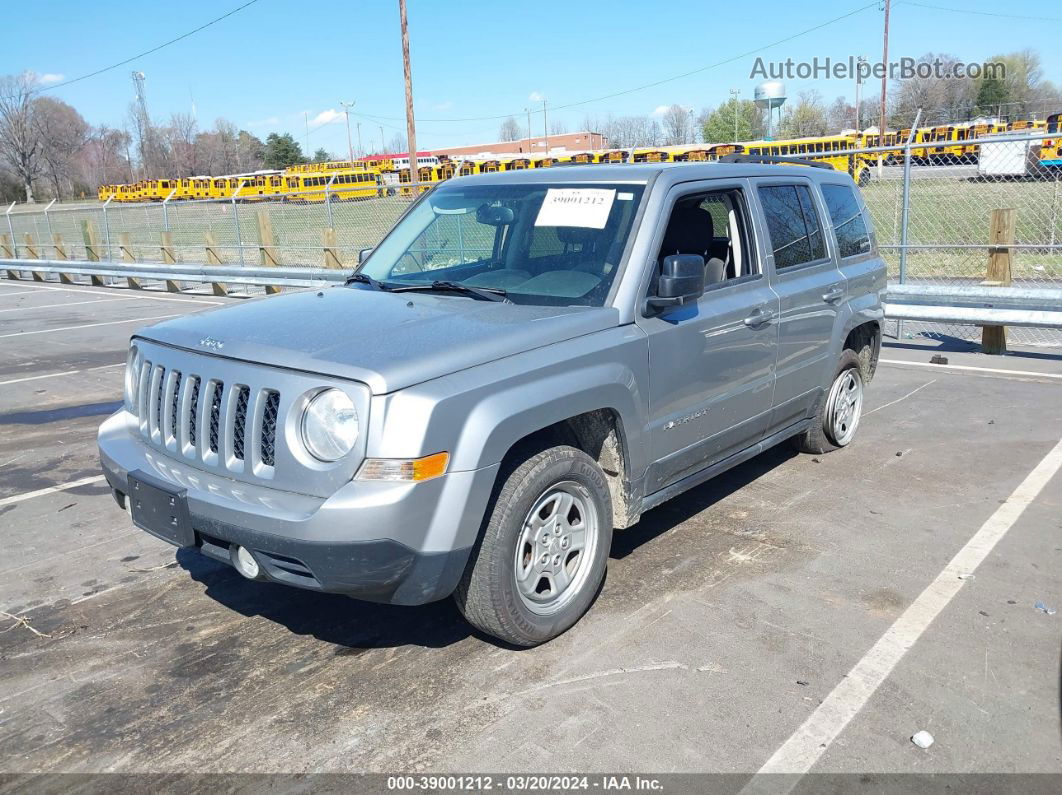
810	287
860	261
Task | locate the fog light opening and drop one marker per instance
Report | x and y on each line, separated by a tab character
244	562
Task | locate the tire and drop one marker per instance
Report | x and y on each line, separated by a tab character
511	588
834	427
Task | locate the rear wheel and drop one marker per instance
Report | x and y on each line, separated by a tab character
838	410
542	556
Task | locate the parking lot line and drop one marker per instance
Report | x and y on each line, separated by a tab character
53	306
809	742
970	368
56	375
29	495
87	325
20	292
92	291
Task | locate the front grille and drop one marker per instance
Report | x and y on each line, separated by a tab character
269	428
196	417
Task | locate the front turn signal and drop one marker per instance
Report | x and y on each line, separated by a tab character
408	469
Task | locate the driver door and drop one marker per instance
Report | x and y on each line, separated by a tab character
712	363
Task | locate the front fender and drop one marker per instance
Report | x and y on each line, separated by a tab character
478	414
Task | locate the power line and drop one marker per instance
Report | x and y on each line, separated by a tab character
979	13
148	52
655	83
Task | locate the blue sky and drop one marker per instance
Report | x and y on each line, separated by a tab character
266	66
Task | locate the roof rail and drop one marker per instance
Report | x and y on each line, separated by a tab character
785	161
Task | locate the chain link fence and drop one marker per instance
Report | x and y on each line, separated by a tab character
931	203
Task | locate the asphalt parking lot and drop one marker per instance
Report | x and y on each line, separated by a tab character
799	612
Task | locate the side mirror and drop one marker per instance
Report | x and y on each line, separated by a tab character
681	281
364	255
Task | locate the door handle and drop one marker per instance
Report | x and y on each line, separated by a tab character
760	316
833	295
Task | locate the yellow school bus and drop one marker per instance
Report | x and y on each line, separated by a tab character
1051	148
651	156
612	156
827	149
517	164
341	186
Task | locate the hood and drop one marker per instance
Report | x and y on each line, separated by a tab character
386	340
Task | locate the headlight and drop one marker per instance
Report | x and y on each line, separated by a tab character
132	380
330	425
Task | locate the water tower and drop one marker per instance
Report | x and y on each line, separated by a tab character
770	95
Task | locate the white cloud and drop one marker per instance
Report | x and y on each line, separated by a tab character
660	110
325	117
51	77
536	97
447	105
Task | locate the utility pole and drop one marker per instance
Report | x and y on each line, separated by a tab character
411	130
545	127
734	94
529	145
859	86
346	111
383	146
360	150
884	84
306	140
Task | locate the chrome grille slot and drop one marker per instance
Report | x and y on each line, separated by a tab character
193	411
170	418
239	423
214	439
143	390
269	427
155	402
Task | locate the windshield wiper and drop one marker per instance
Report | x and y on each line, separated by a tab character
483	293
361	278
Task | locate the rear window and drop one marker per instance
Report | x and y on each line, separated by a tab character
793	225
853	237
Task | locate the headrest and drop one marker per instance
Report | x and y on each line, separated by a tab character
689	231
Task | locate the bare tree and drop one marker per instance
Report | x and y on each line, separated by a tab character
807	117
677	125
63	132
557	127
181	138
510	130
20	140
840	115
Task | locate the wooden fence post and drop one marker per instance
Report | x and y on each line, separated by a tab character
92	248
331	255
267	247
125	250
60	254
213	258
169	258
31	253
9	253
1000	238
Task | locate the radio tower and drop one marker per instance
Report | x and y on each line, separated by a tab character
143	121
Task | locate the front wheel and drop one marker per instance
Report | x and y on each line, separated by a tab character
542	557
838	410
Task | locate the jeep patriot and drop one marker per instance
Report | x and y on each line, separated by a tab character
527	362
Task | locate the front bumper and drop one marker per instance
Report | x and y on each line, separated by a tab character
403	543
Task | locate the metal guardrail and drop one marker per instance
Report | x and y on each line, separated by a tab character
961	305
181	272
1030	307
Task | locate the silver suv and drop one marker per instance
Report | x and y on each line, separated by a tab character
528	361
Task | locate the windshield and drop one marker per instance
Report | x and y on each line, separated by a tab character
541	244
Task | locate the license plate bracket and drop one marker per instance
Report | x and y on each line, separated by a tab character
160	509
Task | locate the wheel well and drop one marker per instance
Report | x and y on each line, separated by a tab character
865	340
599	434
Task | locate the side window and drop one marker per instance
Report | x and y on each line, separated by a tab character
852	235
792	224
712	225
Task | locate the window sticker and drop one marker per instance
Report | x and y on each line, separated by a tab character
585	207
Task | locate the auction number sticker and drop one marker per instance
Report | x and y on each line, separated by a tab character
585	207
